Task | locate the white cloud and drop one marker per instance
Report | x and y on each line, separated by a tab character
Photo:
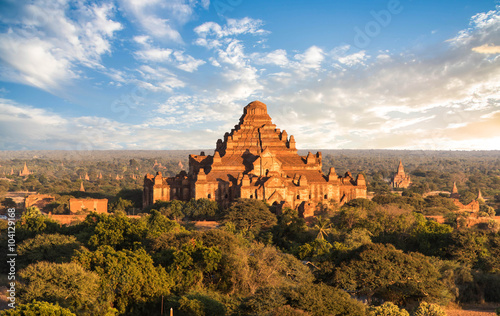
158	79
142	39
161	19
354	59
327	98
36	128
176	58
34	62
277	57
237	74
484	28
403	102
186	62
487	49
45	47
233	27
311	58
154	54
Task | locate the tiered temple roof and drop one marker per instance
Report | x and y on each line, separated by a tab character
256	160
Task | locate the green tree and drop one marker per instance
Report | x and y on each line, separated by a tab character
304	299
129	278
189	264
291	230
456	219
121	205
66	284
32	223
171	209
250	215
8	203
201	209
469	247
47	247
158	224
200	303
31	212
363	204
491	262
323	227
191	306
486	211
264	301
37	308
429	237
350	217
321	299
357	237
116	230
247	266
381	271
314	250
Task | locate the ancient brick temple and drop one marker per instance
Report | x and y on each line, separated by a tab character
88	205
401	179
258	161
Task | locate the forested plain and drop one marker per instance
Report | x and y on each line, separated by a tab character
366	257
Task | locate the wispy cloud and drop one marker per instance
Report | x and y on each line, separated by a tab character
44	46
161	19
233	27
177	58
487	49
192	92
42	129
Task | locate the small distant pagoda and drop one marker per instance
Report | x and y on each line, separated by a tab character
454	192
472	207
25	172
401	179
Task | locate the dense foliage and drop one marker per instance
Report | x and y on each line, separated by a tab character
378	257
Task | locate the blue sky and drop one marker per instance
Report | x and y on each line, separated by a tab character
151	74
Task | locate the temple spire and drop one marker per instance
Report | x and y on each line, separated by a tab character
401	169
479	195
454	191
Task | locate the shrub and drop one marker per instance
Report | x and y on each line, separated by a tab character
387	309
427	309
37	308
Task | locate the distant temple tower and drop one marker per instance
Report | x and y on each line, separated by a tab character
25	172
256	161
401	179
472	207
81	187
479	196
454	192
